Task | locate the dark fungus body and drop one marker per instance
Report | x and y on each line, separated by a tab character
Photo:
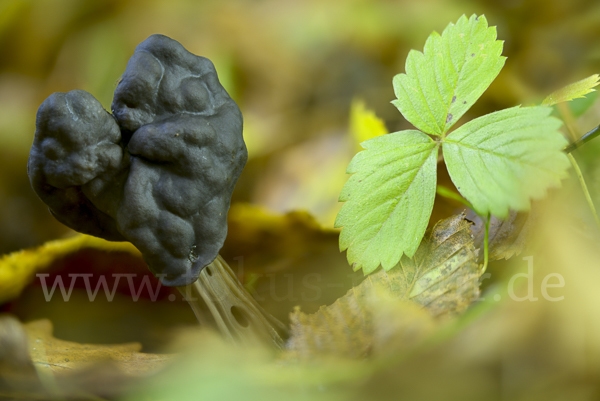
158	172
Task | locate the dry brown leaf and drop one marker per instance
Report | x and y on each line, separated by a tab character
59	356
16	369
36	365
358	325
441	279
507	237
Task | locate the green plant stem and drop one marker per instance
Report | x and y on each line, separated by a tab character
584	139
486	244
450	194
584	187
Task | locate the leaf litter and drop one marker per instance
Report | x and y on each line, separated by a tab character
442	279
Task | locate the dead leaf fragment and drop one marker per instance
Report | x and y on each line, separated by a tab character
13	345
16	369
442	279
443	276
36	365
507	237
59	356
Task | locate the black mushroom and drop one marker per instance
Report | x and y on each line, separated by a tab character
158	172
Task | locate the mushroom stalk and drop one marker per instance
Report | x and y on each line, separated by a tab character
236	313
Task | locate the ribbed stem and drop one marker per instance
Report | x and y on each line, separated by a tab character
236	313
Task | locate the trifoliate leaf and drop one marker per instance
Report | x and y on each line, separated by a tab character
442	278
572	91
453	71
388	199
364	124
504	159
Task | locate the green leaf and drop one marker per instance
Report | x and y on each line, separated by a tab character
388	199
442	279
572	91
504	159
453	71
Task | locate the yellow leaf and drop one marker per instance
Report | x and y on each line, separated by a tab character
18	269
364	124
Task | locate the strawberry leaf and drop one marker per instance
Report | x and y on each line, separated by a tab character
504	159
453	71
388	199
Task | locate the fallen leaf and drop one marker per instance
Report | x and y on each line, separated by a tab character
444	274
36	365
507	237
358	325
16	369
252	229
18	269
59	356
283	260
442	279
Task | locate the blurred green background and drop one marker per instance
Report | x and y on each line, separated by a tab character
294	68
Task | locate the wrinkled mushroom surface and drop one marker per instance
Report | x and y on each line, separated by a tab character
158	172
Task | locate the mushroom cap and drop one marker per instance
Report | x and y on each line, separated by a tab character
76	143
181	147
